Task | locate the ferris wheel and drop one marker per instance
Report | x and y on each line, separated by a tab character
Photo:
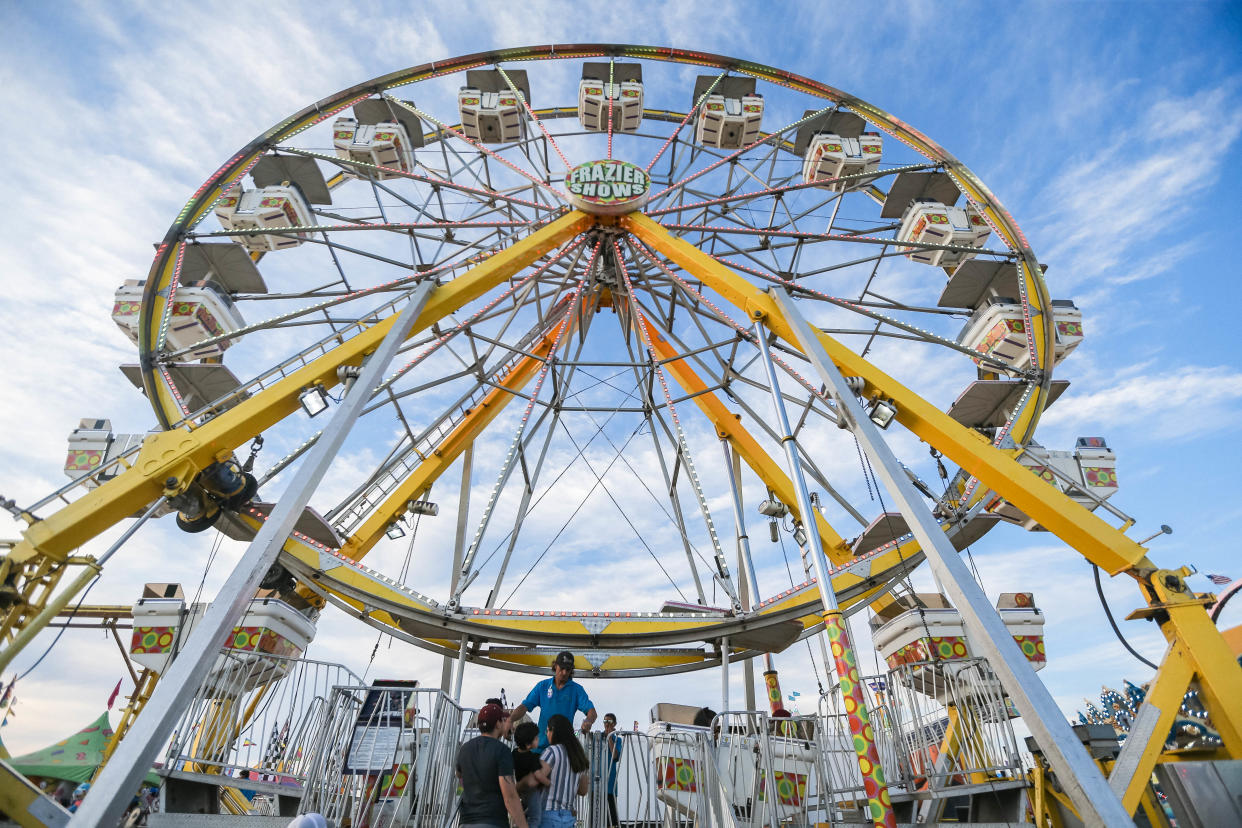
601	224
554	296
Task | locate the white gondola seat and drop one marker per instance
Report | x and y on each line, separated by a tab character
830	156
200	310
930	630
923	640
275	207
932	222
678	751
490	117
1085	474
162	625
91	445
729	123
385	144
595	97
998	329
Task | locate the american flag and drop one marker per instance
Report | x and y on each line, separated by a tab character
1220	580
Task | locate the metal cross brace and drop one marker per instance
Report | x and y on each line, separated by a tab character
1086	786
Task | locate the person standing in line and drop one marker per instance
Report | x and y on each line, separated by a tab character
566	764
489	797
531	781
558	695
612	756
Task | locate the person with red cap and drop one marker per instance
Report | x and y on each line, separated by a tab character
489	797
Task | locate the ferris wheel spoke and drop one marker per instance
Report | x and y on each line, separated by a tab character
524	506
554	414
686	120
399	284
481	148
467	576
761	422
481	195
534	117
737	153
640	322
582	503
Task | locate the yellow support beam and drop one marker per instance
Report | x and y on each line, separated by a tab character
728	425
181	453
23	802
1095	539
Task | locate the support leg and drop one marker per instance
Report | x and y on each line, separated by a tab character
115	787
1081	778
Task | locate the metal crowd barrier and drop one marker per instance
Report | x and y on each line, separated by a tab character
254	712
385	756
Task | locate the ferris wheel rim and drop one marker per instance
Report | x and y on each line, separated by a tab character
166	264
169	248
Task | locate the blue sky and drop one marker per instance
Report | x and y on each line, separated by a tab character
1107	129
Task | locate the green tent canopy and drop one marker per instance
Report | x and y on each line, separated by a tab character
74	758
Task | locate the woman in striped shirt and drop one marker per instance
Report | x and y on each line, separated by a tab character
565	763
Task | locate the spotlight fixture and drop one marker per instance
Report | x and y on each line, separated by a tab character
881	412
799	535
773	509
395	530
424	507
314	400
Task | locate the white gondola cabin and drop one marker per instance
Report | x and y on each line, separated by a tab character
275	207
623	94
385	144
830	156
922	637
730	111
998	329
729	123
270	626
932	222
490	117
491	111
1088	474
731	758
91	445
200	310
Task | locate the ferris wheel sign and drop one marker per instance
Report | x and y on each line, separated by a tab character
608	187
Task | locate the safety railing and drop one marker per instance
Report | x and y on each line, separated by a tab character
253	713
385	756
680	783
955	724
837	751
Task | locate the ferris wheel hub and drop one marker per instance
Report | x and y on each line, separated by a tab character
608	187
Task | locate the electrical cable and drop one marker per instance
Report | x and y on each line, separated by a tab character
1108	613
60	632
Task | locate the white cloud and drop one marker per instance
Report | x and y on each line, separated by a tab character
1176	405
1105	209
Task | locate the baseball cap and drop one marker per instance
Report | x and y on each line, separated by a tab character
565	660
489	714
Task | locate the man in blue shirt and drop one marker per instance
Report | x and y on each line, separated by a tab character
559	694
